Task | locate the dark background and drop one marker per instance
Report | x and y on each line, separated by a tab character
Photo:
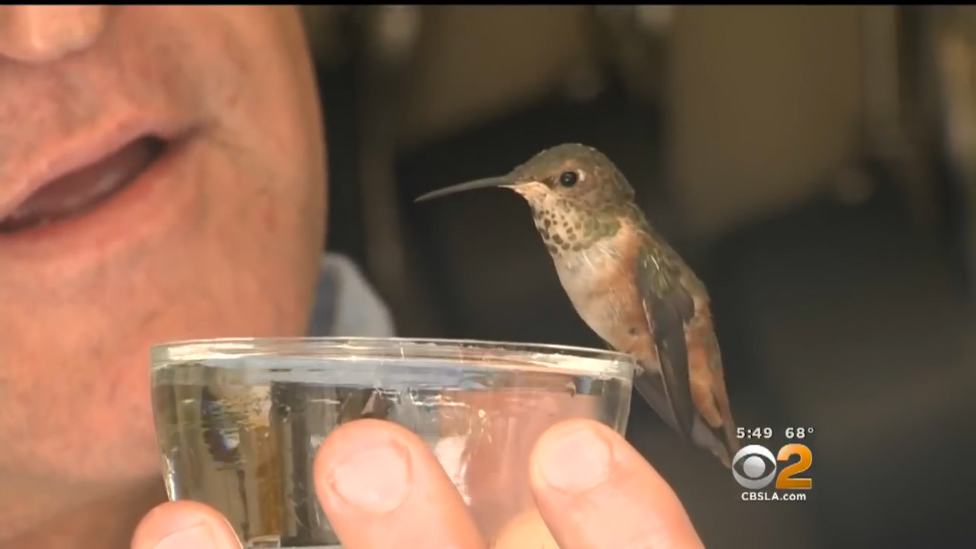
845	317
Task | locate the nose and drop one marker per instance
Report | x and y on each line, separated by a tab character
39	34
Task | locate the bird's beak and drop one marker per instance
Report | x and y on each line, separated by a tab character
503	181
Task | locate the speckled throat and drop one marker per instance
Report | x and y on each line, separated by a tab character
566	226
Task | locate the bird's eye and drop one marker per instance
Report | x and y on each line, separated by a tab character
568	179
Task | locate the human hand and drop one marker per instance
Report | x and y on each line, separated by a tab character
382	488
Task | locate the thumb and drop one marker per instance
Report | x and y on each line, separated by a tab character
184	525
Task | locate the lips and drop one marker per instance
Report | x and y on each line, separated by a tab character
82	190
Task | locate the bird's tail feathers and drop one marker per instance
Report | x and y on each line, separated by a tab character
651	389
716	441
721	441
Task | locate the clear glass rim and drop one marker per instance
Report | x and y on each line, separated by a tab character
611	363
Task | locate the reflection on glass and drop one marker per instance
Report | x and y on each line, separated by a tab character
239	421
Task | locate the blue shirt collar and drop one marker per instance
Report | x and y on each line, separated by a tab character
346	304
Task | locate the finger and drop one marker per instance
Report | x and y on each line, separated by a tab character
595	491
184	525
381	487
496	453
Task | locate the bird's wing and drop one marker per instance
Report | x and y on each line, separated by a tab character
669	308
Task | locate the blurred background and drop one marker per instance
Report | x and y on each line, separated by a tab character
816	165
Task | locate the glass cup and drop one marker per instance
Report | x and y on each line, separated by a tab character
239	420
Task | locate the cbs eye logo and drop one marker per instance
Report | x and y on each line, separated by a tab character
754	467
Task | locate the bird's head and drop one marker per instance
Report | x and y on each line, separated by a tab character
569	173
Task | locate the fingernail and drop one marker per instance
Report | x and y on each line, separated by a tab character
575	460
376	479
198	537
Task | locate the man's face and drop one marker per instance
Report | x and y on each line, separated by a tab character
161	177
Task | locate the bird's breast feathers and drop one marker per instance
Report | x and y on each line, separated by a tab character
599	281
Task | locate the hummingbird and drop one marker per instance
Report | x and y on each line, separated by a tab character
628	285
